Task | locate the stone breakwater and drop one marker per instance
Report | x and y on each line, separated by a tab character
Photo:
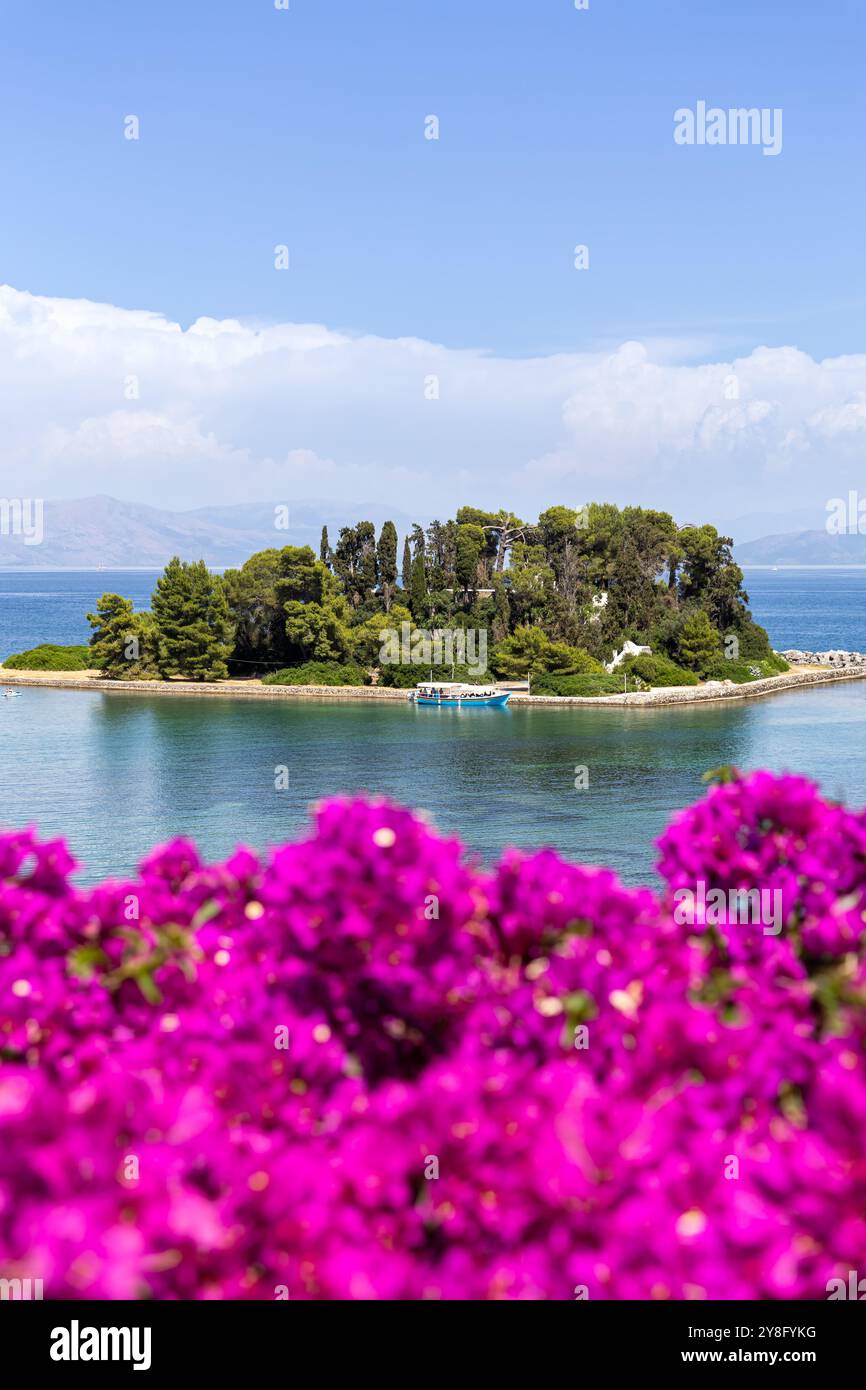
837	659
250	690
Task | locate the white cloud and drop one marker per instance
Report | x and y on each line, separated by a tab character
229	411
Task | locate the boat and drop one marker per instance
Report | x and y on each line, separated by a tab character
456	695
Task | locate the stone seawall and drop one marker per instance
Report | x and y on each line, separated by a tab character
247	690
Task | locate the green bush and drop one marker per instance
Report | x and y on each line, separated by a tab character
753	640
529	649
49	657
405	677
318	673
741	671
553	683
659	670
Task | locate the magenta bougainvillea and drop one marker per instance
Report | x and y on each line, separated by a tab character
366	1068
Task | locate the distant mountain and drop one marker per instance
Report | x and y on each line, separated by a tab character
95	531
803	548
755	526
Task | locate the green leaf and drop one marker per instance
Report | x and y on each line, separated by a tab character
85	961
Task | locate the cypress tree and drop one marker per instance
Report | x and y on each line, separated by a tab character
325	548
407	565
418	589
387	553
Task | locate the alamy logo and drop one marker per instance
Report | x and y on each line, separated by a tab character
855	1288
20	1289
737	907
740	125
76	1343
23	516
451	646
847	516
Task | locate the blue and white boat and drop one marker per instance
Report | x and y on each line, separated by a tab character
456	695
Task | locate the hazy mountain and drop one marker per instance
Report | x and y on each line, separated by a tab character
756	526
803	548
103	531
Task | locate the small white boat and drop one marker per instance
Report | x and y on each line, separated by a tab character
456	695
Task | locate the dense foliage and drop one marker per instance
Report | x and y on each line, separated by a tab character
363	1069
49	657
318	673
554	598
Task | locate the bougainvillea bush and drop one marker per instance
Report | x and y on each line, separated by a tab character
366	1068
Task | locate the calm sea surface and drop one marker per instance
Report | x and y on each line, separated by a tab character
116	774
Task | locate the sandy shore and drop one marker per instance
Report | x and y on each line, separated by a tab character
255	690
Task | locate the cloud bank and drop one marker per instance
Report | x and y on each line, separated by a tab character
96	398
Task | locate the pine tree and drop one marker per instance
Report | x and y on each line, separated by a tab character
122	642
193	624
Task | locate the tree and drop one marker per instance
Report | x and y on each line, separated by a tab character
528	650
386	561
502	529
418	588
316	632
406	574
633	604
531	585
501	612
355	562
301	577
256	611
698	642
123	641
194	629
470	544
368	637
325	552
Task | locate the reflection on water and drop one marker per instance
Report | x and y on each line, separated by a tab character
116	773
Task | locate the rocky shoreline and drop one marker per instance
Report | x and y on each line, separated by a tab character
252	690
838	660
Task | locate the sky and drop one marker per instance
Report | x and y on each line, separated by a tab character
432	338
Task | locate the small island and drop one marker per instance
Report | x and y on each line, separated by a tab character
595	603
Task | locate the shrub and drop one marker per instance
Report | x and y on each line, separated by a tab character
553	684
529	649
406	677
49	657
753	640
318	673
741	671
659	670
288	1045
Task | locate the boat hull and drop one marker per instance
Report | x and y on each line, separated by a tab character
489	702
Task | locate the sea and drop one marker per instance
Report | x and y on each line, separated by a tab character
115	774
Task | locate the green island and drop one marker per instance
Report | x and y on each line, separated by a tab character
553	602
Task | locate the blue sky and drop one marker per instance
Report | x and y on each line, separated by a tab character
305	127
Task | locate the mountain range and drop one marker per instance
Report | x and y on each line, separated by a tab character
803	548
103	532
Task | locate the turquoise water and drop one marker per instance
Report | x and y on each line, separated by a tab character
116	774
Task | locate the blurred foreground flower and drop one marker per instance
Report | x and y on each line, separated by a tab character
366	1069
